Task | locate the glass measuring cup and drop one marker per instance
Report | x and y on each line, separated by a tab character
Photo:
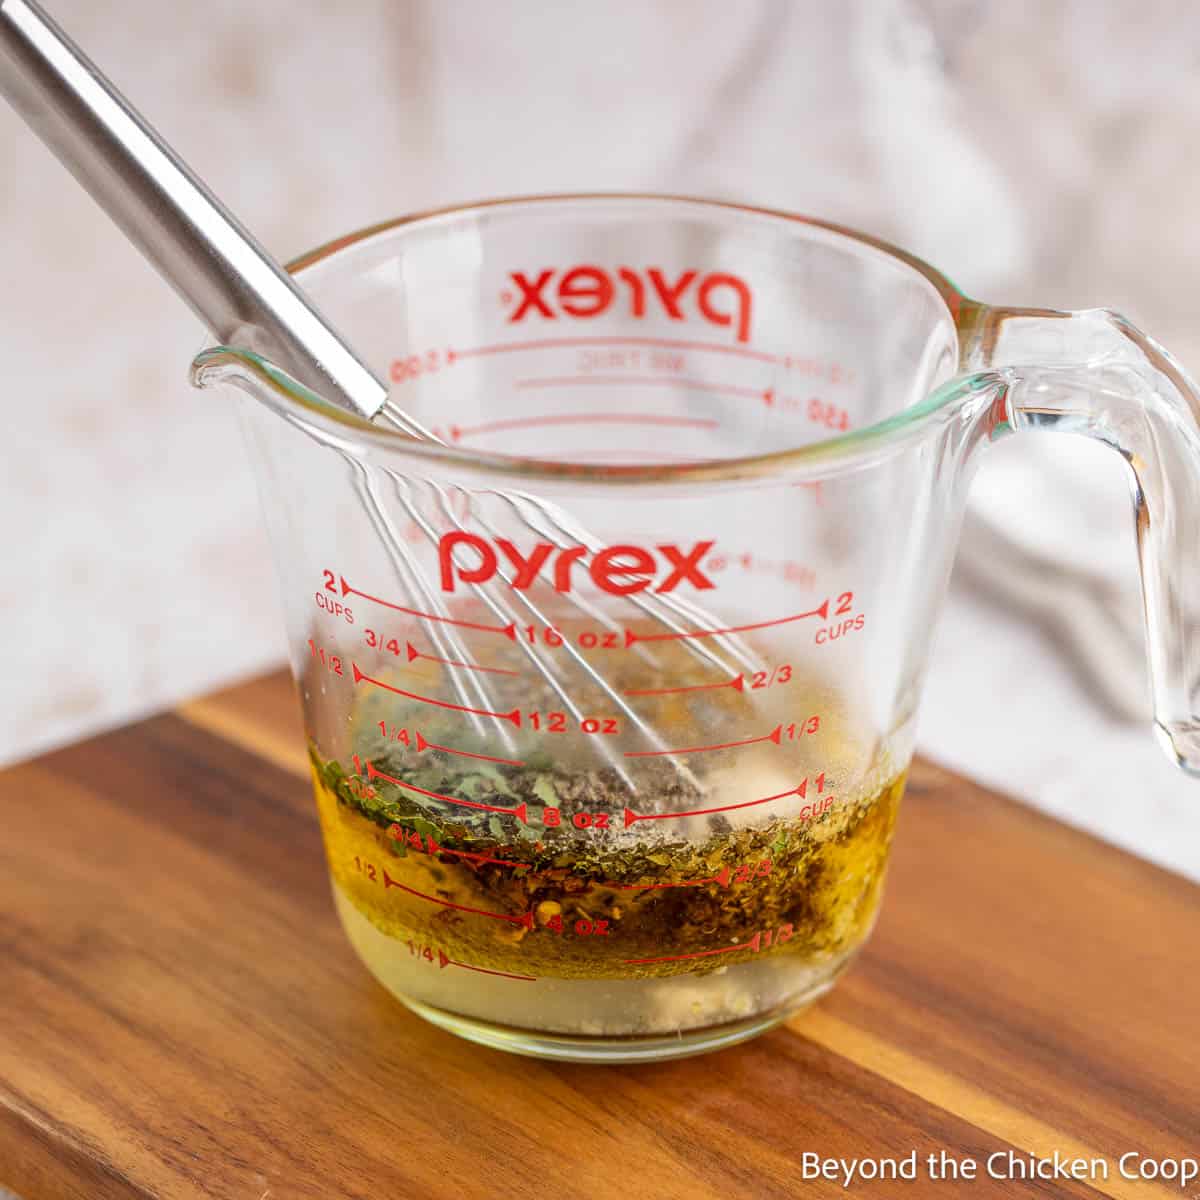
610	693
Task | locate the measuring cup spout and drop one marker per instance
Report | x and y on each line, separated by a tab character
257	376
1095	373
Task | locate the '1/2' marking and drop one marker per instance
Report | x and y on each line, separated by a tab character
525	919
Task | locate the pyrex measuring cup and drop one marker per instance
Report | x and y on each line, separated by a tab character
610	696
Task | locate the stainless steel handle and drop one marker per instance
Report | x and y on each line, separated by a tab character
243	296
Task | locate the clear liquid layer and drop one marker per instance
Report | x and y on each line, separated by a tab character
716	929
604	1008
587	883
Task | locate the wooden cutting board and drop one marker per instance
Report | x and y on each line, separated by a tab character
180	1015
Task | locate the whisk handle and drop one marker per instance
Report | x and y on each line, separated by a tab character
242	295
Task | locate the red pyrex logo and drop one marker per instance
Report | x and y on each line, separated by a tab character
589	291
619	570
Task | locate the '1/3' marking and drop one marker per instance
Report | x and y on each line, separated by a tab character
773	736
762	940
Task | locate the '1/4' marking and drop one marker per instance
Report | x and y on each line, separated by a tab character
444	960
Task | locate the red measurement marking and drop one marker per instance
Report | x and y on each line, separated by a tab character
414	654
399	834
526	919
361	677
753	944
631	637
617	457
722	877
773	736
509	631
458	432
519	812
693	385
567	343
631	817
444	961
472	856
422	744
738	682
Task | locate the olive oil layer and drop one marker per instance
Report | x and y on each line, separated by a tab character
808	888
570	892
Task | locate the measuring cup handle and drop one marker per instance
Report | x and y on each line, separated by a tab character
1095	373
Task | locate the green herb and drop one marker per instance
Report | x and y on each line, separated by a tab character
559	894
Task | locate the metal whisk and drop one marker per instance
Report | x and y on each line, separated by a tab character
246	299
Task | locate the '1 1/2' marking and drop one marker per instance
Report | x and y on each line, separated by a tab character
331	662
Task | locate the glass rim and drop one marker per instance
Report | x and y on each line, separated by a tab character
307	410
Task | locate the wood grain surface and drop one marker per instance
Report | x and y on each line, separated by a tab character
180	1015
